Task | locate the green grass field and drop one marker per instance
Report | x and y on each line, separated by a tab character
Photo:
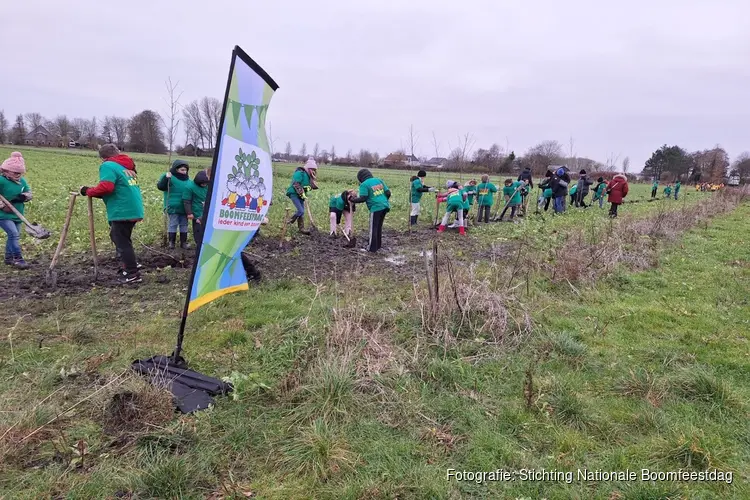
354	386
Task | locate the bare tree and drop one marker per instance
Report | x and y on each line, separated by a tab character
77	127
612	161
413	140
193	118
271	140
316	150
3	127
210	108
461	153
288	150
626	165
170	119
18	132
33	120
572	156
107	133
303	150
543	155
436	145
333	153
62	127
90	132
120	130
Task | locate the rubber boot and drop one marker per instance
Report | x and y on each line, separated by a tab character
172	237
441	228
183	241
292	220
462	231
413	220
301	226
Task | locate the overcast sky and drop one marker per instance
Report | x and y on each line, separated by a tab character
621	79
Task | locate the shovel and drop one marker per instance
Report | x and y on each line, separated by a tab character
35	230
350	238
51	273
92	236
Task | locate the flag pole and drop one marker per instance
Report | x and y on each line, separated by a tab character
206	208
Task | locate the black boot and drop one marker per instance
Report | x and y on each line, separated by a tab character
301	226
183	241
413	220
172	239
292	220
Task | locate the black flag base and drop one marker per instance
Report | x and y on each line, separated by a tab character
192	391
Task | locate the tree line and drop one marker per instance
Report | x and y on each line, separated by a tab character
145	132
148	132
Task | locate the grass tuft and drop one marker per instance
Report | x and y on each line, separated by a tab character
701	386
317	451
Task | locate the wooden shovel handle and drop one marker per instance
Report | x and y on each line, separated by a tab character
64	233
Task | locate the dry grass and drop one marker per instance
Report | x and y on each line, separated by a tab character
364	338
474	308
633	242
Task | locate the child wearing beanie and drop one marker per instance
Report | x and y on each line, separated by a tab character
15	189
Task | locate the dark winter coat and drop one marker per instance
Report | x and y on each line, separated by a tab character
559	185
526	176
584	184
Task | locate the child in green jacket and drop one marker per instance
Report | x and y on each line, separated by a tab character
455	200
677	187
375	193
118	188
16	191
512	194
339	205
485	192
173	184
193	201
417	190
654	188
303	181
471	192
668	191
599	191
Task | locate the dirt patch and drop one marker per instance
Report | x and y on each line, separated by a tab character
75	274
317	257
132	412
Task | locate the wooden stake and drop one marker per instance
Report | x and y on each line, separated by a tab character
435	271
283	229
64	233
309	215
92	236
437	209
429	280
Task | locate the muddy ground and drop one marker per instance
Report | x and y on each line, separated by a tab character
317	257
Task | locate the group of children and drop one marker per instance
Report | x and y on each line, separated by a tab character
118	187
668	191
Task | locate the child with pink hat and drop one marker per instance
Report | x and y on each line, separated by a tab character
15	189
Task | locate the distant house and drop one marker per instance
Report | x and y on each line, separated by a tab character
436	162
40	136
401	160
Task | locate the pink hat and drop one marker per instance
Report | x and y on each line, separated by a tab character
311	164
14	164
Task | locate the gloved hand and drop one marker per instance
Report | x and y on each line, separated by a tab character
307	188
432	190
27	196
83	190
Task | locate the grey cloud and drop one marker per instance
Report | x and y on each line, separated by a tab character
620	78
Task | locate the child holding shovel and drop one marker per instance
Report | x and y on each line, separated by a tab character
173	184
417	190
118	188
338	205
471	192
15	189
303	180
375	193
485	192
193	201
512	194
455	199
599	191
